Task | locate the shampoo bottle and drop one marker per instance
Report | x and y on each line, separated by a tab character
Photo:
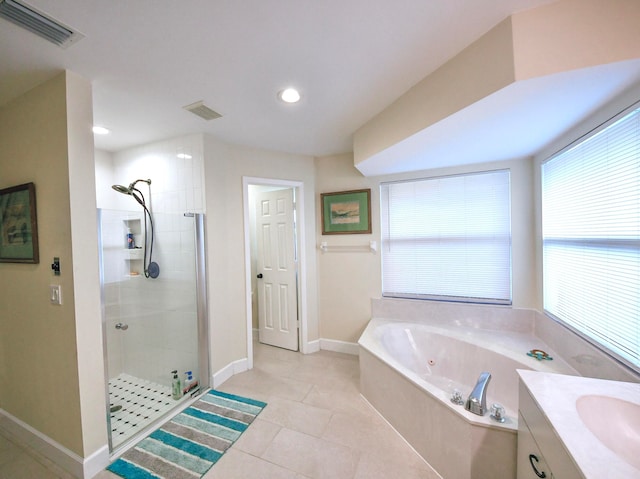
188	380
131	242
176	390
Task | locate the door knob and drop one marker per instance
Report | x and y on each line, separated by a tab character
259	276
122	326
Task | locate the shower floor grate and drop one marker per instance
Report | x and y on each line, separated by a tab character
141	403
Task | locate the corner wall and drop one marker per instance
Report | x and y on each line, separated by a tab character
51	367
348	280
225	166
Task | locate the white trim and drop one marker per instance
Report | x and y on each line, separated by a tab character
230	370
312	347
339	346
302	259
66	459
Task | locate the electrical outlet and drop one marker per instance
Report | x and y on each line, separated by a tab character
55	294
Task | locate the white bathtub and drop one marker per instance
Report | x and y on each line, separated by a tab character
409	370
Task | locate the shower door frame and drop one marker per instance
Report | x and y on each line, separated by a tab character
202	323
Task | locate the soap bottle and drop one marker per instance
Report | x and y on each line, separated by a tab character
131	242
188	380
176	391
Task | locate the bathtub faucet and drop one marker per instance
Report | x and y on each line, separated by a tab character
477	400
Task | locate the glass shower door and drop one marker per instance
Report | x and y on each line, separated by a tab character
152	326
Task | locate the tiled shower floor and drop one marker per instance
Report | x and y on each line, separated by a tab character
142	403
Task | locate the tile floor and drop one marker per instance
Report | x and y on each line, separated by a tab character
18	462
316	425
141	403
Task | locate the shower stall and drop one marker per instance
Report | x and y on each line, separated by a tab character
154	315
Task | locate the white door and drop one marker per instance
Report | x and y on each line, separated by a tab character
276	269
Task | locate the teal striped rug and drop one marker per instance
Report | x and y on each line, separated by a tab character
193	441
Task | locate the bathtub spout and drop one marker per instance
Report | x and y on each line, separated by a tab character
477	400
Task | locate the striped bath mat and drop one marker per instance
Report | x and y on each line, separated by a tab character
190	443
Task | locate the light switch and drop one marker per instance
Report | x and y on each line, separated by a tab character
55	294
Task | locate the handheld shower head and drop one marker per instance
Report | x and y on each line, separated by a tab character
128	190
122	189
151	269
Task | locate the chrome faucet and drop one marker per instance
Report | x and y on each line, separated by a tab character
477	400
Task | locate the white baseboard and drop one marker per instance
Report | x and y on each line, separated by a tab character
69	461
229	370
339	346
311	347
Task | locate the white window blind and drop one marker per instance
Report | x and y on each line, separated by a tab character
591	237
448	238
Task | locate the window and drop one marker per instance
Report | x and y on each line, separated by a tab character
591	237
448	238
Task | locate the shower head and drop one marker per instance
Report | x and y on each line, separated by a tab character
128	190
122	189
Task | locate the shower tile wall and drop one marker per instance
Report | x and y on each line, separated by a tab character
177	184
161	320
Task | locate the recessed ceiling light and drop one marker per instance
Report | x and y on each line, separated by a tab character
289	95
100	130
184	156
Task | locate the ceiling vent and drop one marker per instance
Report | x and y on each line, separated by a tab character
203	111
39	23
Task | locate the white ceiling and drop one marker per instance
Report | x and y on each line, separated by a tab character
146	59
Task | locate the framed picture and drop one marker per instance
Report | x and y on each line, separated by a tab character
346	212
18	225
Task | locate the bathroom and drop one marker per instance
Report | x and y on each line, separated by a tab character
344	311
62	396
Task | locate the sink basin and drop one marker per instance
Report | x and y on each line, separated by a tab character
615	422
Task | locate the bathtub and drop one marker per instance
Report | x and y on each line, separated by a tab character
409	370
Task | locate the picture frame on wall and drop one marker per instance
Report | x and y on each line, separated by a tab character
18	225
346	212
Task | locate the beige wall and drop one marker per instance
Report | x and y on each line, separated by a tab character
563	36
481	69
86	274
52	355
225	166
348	281
573	34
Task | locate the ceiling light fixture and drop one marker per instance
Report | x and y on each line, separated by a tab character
184	156
289	95
100	130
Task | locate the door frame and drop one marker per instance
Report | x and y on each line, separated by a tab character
298	186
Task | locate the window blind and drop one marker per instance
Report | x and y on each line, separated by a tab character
448	238
591	237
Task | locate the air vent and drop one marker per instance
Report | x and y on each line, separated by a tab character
40	24
203	111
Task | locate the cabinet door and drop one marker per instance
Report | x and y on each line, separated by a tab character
531	463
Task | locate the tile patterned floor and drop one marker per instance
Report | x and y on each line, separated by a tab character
142	402
316	425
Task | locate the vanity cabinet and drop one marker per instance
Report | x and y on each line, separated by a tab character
541	453
531	462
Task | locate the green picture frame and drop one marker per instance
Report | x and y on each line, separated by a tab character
346	212
18	225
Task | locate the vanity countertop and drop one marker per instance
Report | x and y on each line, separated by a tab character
556	395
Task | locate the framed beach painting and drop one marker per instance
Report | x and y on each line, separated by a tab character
18	225
346	212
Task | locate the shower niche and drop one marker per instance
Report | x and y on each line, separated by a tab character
133	242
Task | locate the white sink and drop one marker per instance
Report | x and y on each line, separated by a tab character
616	424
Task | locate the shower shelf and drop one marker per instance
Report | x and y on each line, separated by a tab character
133	254
133	257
